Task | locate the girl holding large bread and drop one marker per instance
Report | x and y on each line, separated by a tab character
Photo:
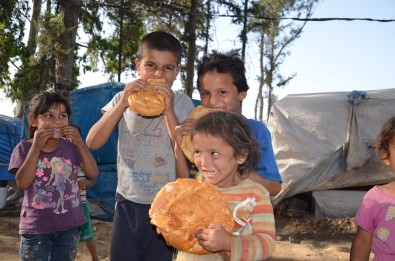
225	152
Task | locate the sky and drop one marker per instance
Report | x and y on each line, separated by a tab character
329	56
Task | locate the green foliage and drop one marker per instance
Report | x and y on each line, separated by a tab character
12	23
110	31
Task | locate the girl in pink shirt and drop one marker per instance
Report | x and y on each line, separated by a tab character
376	215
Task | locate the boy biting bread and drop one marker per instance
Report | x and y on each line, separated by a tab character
145	158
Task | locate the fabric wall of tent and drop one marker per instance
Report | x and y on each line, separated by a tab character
86	104
10	135
324	141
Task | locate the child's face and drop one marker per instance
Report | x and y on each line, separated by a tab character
156	64
55	118
389	160
215	159
218	91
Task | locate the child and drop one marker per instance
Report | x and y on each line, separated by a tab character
376	215
46	170
86	230
145	160
222	84
224	158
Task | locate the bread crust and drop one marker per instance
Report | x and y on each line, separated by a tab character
186	142
149	102
185	206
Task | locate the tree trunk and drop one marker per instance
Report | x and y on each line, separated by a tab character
207	28
120	42
244	31
191	32
262	73
69	10
31	48
34	25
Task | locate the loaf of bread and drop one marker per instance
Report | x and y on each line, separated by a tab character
185	206
148	102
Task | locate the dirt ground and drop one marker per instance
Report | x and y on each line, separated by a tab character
302	237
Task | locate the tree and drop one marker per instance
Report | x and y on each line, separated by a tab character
115	45
69	13
275	37
12	24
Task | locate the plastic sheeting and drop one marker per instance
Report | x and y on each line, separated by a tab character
10	135
86	104
309	133
337	203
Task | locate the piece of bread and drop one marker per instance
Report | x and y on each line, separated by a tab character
186	142
183	207
149	102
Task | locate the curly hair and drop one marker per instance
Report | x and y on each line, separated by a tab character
234	130
385	138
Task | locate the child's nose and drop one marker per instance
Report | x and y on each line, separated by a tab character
159	72
213	100
204	160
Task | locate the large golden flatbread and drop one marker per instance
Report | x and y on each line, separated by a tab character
185	206
149	102
186	142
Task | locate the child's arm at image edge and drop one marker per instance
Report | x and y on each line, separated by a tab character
361	245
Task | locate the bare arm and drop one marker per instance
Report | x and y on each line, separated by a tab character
273	187
182	169
361	245
86	183
101	130
169	113
90	166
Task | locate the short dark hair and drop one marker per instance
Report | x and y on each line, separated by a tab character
234	129
229	63
161	41
42	102
385	138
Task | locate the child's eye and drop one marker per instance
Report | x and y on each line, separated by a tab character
215	154
149	65
170	68
196	153
64	115
204	94
222	92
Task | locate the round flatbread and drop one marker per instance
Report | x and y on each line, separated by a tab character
186	142
149	102
185	206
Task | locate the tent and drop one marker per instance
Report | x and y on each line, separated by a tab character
323	141
10	136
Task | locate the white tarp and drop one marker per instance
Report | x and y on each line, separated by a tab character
337	203
314	135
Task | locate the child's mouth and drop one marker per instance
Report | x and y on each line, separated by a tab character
57	133
210	174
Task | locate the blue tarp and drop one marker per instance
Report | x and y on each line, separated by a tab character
10	135
86	104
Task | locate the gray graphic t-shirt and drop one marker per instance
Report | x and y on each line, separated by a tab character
145	160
